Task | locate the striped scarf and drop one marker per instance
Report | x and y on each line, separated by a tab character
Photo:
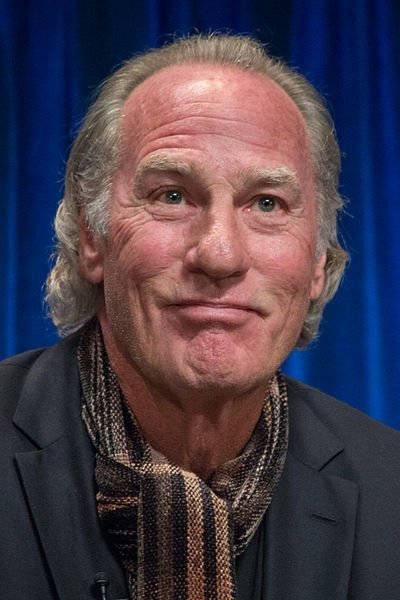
175	535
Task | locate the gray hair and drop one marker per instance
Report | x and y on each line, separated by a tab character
95	156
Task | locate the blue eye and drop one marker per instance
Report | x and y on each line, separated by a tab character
267	203
173	197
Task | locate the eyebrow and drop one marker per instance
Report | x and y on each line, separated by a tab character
248	178
159	163
278	177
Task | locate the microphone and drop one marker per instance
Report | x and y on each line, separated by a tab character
101	582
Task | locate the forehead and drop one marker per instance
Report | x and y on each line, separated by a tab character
200	100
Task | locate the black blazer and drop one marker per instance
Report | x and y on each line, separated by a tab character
332	531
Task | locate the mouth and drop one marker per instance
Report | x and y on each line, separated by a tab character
223	311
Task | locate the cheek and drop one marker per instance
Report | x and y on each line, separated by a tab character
143	250
288	266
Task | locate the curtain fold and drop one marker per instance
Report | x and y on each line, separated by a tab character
53	54
354	63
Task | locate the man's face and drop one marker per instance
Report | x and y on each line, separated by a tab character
210	262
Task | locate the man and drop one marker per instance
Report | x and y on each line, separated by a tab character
158	452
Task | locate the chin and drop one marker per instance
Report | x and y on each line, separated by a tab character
214	387
222	379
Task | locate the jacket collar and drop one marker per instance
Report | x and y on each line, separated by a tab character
304	546
310	440
58	477
42	413
307	537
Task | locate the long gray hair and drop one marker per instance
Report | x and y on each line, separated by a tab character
95	155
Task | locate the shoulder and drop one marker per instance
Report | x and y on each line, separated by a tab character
336	414
348	465
16	367
13	373
369	449
33	372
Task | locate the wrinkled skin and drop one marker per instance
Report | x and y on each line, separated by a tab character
210	263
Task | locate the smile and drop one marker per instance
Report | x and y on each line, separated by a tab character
215	312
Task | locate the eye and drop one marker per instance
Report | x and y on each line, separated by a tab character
267	204
172	197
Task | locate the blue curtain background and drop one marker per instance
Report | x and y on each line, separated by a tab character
54	53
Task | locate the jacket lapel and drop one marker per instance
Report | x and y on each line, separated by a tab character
311	526
309	535
58	478
304	544
303	548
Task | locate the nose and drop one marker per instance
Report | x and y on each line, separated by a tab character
218	249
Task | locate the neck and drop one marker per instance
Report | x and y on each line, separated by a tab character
198	434
196	438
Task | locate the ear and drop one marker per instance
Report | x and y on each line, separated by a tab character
318	278
91	253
